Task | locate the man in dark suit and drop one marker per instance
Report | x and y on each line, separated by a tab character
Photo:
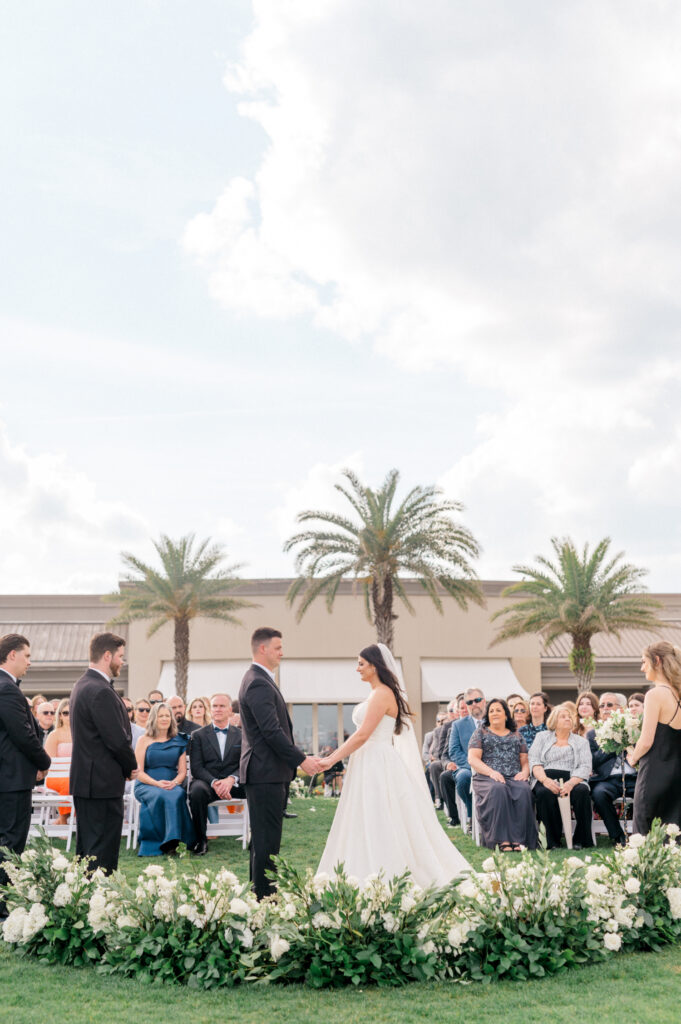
269	757
22	758
214	757
178	708
102	757
605	782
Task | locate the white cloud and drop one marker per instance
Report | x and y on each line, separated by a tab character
59	534
315	491
492	190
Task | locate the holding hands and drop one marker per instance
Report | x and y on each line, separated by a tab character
311	765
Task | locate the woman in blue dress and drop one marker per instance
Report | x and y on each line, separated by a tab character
162	762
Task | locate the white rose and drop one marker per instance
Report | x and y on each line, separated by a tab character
70	877
632	885
630	856
488	864
322	879
636	840
278	947
672	831
407	903
612	941
60	863
154	871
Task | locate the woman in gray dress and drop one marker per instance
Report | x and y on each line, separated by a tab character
503	801
561	764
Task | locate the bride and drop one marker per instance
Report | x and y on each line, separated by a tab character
385	816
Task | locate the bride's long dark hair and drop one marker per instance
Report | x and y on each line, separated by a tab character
373	655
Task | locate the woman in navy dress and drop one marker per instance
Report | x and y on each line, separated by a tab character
162	762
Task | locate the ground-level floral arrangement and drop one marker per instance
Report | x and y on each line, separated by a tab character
516	919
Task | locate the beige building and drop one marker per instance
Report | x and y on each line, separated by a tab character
440	655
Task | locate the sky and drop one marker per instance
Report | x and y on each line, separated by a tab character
246	245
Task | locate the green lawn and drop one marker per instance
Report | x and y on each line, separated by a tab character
629	989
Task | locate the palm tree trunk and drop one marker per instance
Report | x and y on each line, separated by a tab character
582	664
382	604
181	657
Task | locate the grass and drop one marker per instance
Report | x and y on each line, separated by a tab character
636	988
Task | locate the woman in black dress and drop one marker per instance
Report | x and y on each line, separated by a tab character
658	787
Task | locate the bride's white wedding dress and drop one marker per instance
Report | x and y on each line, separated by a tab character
386	819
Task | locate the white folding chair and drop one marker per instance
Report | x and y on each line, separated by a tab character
46	802
232	820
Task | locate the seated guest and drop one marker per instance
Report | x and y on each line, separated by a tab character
215	754
635	703
162	768
587	711
142	711
184	725
35	703
60	744
540	709
606	781
155	697
560	762
512	700
503	800
198	712
520	712
45	715
456	779
438	750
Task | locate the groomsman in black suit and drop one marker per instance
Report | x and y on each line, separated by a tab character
269	757
102	758
214	757
23	760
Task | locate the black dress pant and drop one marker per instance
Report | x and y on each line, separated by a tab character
266	813
99	823
604	795
448	790
15	821
548	811
200	796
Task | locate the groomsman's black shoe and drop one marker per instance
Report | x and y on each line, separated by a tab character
290	814
200	849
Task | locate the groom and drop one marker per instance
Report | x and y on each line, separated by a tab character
269	757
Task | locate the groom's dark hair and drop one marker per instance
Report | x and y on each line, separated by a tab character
263	635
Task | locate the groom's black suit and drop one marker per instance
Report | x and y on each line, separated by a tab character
207	764
101	761
269	759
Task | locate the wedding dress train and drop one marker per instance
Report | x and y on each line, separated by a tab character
385	817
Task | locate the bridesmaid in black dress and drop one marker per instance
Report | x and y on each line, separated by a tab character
658	787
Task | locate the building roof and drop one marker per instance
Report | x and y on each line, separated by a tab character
62	642
609	648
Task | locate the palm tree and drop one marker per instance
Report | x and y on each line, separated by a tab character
380	543
189	585
581	595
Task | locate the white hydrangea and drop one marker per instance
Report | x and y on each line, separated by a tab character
366	916
353	881
278	947
612	941
468	888
33	893
163	909
389	922
632	885
674	897
238	906
288	911
574	863
407	903
322	920
156	871
630	856
62	895
457	934
225	877
70	877
60	863
191	912
126	921
247	938
35	921
673	831
488	864
13	926
428	947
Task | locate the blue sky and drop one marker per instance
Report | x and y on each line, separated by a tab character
245	245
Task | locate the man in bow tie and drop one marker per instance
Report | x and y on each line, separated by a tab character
214	757
102	757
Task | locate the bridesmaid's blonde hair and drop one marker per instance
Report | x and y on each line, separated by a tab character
667	658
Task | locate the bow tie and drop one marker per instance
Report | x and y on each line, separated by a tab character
224	731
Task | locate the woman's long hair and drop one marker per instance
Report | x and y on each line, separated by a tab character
152	725
510	724
667	658
547	705
373	655
59	722
207	719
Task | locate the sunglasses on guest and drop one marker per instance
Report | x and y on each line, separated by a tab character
608	705
143	711
152	702
475	700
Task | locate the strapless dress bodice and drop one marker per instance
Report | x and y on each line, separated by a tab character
384	731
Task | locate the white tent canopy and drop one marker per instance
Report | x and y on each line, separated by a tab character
443	678
205	678
321	681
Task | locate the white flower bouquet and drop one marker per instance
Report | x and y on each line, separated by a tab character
618	732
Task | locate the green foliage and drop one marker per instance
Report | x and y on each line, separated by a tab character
190	584
580	594
378	544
